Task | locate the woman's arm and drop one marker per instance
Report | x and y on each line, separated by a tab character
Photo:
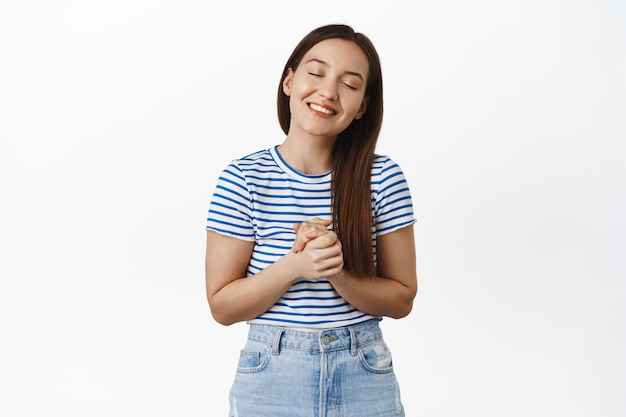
392	292
233	297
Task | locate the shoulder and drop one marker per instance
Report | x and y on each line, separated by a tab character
383	166
253	158
256	161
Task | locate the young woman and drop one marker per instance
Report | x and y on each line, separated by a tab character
311	243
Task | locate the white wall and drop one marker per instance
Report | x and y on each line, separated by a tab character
116	117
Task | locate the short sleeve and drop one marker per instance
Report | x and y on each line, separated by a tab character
230	210
393	205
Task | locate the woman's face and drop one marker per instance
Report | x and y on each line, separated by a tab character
327	90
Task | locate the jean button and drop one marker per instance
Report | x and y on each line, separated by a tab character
326	339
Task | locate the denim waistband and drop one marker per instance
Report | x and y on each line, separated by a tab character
317	341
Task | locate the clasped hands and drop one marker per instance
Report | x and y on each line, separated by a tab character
319	247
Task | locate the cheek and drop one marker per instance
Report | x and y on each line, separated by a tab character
354	107
303	88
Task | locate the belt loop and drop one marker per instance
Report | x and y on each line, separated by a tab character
276	347
353	341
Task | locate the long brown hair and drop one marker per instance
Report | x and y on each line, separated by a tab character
352	153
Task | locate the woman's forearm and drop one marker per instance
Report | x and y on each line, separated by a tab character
248	297
377	296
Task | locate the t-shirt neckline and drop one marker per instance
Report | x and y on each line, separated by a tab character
292	172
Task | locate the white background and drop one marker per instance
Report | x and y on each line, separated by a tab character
508	118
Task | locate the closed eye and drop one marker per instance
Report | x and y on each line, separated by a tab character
315	74
351	87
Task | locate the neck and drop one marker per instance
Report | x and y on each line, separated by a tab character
311	157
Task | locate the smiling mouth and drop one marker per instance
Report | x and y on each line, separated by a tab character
321	109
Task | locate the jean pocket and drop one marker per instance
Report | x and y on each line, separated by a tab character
253	357
376	357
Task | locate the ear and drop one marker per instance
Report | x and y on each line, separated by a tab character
287	82
362	109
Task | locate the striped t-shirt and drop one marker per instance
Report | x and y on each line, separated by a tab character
260	197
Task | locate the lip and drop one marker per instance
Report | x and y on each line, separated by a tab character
322	110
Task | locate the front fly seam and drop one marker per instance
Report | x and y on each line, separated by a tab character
322	385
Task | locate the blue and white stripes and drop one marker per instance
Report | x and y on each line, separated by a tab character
260	197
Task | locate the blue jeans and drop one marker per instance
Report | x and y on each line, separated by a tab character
342	372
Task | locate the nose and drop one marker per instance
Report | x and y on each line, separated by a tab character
328	89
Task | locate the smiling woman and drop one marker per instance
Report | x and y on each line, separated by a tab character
311	243
339	83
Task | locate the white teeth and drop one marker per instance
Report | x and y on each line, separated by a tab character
321	109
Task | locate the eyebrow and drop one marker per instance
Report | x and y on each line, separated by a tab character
319	61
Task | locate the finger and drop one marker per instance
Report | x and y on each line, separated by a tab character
303	238
308	230
318	220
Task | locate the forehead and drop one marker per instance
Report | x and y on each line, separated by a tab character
342	54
